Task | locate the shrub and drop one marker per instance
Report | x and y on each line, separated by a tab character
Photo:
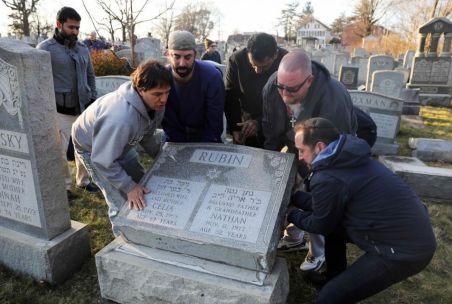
105	62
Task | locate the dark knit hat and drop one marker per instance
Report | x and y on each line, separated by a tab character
181	40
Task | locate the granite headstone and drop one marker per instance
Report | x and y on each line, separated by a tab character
37	236
376	63
386	112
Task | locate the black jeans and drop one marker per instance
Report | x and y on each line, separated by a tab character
369	275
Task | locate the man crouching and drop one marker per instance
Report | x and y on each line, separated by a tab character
105	134
356	198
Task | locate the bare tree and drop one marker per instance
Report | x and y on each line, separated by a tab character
40	25
164	26
197	19
22	11
366	15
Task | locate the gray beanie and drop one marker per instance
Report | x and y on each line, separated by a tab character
181	40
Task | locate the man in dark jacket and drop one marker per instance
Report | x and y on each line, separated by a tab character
248	71
354	197
299	90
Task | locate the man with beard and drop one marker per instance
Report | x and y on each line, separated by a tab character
194	112
356	198
299	90
74	83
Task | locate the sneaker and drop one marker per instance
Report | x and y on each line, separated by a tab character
91	188
286	245
70	195
312	263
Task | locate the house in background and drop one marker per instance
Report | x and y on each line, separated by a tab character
312	33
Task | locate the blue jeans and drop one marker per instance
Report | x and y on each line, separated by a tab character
369	275
114	198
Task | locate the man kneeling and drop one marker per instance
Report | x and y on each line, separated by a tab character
355	198
106	132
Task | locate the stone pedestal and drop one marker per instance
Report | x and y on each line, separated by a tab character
52	261
140	278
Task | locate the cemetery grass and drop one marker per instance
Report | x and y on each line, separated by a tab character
430	286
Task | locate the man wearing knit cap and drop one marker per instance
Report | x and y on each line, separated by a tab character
194	111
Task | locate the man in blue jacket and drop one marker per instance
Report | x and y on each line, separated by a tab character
194	112
354	197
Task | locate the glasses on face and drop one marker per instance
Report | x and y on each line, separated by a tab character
293	89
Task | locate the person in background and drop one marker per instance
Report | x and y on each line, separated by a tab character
247	73
106	133
74	83
356	198
211	51
299	90
194	112
95	44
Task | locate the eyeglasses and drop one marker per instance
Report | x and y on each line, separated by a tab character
293	89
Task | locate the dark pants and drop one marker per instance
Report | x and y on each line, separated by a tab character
369	275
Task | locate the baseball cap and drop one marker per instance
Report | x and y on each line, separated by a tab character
181	40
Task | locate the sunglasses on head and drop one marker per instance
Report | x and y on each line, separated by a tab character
293	89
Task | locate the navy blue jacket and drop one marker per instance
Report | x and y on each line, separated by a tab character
379	212
194	111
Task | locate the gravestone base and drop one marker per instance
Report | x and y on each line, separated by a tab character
52	261
385	149
439	100
411	108
427	182
131	278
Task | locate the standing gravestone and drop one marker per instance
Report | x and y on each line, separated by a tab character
212	224
376	63
360	52
328	61
386	112
37	236
361	63
127	53
340	59
107	84
349	77
389	83
150	47
432	73
408	59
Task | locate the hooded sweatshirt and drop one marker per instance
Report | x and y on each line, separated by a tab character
110	127
380	213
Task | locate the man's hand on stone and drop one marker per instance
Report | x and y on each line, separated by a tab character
135	198
249	128
238	137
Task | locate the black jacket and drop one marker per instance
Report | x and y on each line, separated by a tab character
379	212
327	98
244	89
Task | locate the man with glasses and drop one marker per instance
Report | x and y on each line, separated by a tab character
299	90
211	52
248	71
194	112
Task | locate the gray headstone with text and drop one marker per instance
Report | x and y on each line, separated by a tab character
218	202
36	232
386	112
389	83
349	77
107	84
376	63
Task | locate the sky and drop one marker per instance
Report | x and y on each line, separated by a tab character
235	15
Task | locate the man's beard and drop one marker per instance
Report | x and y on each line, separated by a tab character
184	72
69	40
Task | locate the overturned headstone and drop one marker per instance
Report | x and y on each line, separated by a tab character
214	211
430	149
37	236
386	112
427	182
